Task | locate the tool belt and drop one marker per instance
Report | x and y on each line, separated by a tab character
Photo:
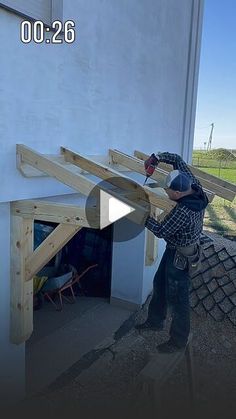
188	258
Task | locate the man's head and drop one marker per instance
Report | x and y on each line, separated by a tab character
177	185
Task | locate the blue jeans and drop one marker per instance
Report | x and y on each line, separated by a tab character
171	287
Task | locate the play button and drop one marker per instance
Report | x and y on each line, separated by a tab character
120	202
112	209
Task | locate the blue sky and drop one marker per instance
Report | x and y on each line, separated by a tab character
217	76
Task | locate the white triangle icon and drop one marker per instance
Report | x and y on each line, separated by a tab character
112	209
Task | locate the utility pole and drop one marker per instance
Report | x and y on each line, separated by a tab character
210	137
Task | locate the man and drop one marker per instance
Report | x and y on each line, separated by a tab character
181	229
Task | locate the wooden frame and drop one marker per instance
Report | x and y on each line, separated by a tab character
210	183
25	263
136	164
69	168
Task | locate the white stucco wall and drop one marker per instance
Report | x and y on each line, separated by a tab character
127	262
122	84
128	82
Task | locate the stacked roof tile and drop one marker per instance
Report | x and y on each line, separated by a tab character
213	290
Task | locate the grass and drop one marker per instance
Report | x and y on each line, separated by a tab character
220	217
222	173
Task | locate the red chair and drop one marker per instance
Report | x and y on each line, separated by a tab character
75	278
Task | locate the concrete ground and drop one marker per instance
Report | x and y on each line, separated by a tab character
87	360
61	338
105	380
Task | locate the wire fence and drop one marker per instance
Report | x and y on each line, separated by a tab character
225	169
217	164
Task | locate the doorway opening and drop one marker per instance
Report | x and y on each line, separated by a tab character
87	256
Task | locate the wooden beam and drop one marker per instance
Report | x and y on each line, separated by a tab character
151	248
21	313
116	178
48	249
136	165
29	171
151	240
165	169
100	170
163	166
55	169
56	213
209	182
80	183
153	196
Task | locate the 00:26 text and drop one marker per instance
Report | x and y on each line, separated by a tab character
35	31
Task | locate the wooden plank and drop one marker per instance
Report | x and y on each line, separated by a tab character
152	241
159	201
212	183
55	169
100	170
116	178
21	312
80	183
56	213
163	166
151	248
28	171
48	249
153	196
166	168
136	165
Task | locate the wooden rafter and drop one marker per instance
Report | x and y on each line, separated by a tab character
55	169
134	164
100	170
117	179
214	184
81	184
137	165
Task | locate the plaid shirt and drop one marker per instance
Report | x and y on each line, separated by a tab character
182	226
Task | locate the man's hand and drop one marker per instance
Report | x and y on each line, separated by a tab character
150	164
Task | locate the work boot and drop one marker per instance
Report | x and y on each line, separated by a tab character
147	325
170	347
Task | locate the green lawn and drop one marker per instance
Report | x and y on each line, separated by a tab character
226	174
220	217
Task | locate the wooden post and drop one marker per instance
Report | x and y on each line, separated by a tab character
21	311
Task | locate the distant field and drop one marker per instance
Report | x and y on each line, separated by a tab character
220	215
220	218
222	168
226	174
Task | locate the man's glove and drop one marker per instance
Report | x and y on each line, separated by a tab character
150	164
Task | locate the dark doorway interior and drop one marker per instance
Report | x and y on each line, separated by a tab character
89	246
